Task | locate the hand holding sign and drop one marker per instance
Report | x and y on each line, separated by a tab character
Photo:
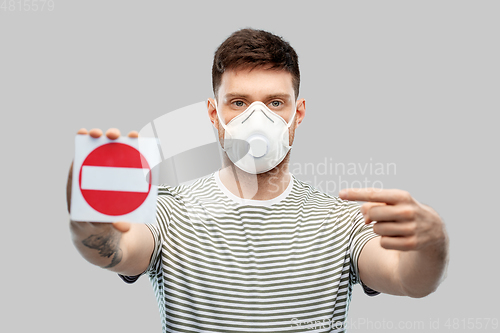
113	178
403	222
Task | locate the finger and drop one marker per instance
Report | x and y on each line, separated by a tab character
399	243
113	133
392	196
403	212
87	225
95	133
82	131
365	208
367	205
133	134
122	226
403	229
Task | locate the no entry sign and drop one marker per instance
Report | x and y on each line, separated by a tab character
112	180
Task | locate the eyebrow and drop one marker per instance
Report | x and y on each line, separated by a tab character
279	95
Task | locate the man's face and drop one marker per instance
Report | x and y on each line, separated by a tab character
240	88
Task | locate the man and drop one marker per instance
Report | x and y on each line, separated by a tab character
251	248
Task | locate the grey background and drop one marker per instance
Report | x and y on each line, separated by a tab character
413	83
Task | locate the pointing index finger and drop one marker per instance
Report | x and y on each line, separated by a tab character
391	196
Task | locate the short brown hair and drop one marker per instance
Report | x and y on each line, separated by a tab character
250	48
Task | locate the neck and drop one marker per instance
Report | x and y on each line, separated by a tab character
264	186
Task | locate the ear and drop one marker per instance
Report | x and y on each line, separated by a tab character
212	113
300	112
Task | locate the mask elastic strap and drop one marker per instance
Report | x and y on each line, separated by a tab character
293	117
221	121
218	116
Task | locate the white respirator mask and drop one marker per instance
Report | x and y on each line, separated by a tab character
256	140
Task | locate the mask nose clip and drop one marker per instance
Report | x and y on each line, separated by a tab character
248	116
267	116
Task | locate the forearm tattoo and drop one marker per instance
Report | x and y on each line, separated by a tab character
108	244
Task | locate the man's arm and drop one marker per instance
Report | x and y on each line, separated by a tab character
120	247
411	255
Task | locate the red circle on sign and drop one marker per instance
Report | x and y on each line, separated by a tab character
117	155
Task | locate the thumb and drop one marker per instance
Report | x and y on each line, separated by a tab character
122	226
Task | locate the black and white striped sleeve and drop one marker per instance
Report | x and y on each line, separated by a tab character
361	233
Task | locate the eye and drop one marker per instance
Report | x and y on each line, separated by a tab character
238	103
276	103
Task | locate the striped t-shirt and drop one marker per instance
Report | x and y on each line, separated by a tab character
224	264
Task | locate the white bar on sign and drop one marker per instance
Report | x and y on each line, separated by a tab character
114	179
